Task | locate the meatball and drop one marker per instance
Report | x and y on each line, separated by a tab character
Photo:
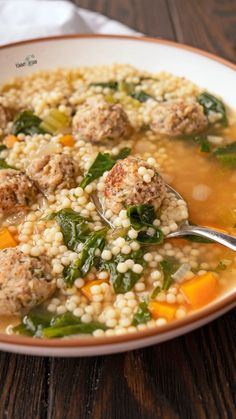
24	281
132	182
100	122
52	172
178	118
17	191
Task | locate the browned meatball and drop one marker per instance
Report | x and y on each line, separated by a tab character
178	118
24	281
52	172
17	191
100	122
127	184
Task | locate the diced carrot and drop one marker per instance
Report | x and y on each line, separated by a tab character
67	140
200	290
159	309
10	140
86	289
6	239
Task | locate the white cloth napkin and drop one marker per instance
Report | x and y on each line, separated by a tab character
26	19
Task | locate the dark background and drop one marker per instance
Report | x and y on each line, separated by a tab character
193	376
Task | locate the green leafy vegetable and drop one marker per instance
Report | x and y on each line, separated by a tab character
141	215
84	263
168	267
28	123
110	85
33	323
75	329
145	238
141	96
205	145
142	315
227	154
211	104
123	282
41	324
197	239
156	291
2	147
124	152
74	227
102	163
68	324
5	165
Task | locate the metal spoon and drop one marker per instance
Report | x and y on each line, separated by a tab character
185	229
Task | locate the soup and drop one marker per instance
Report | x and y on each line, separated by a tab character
85	213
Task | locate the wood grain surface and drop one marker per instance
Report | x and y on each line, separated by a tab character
191	377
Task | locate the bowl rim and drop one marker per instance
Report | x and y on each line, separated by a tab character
175	326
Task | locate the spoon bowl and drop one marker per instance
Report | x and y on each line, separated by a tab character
185	228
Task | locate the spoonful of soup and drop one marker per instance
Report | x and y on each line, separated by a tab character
132	184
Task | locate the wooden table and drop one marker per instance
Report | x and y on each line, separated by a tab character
193	376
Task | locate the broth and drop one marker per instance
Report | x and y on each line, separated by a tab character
207	186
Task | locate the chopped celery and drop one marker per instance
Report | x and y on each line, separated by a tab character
55	122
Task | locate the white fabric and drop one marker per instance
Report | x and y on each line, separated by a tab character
26	19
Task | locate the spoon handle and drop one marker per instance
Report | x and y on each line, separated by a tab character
224	239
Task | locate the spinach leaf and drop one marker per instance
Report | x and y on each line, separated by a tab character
124	152
145	238
129	89
156	291
227	154
28	123
205	145
211	103
73	226
141	96
102	163
84	263
142	315
110	85
74	329
227	149
33	323
5	165
197	239
123	282
141	215
168	267
71	273
2	147
41	324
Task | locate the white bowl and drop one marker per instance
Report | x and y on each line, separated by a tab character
205	69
